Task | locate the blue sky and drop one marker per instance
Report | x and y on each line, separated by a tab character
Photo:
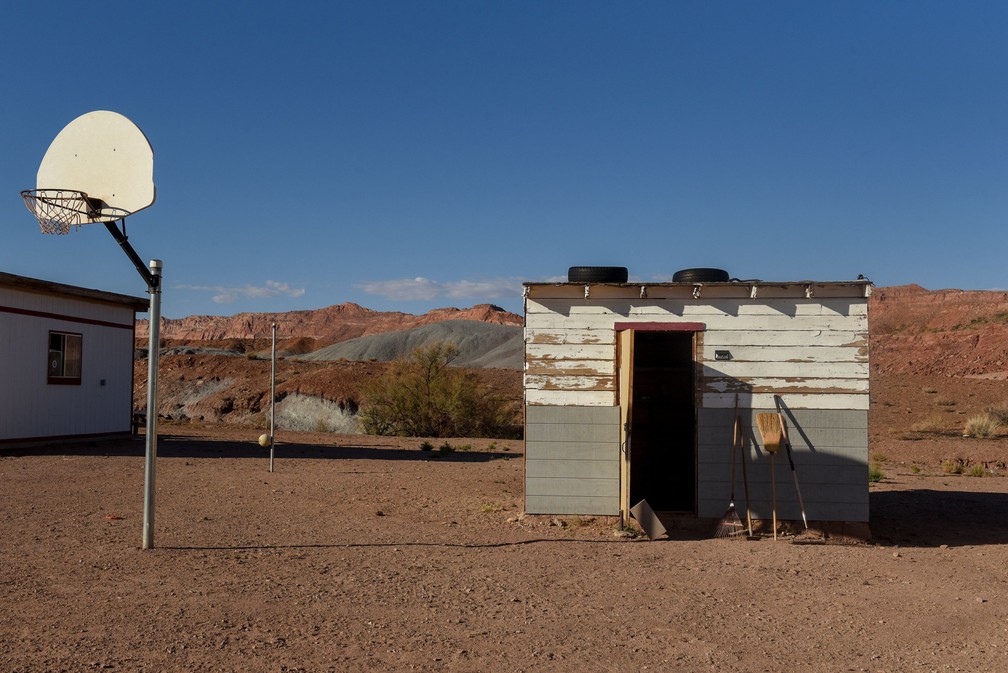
413	155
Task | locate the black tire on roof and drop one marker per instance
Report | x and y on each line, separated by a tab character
597	274
700	275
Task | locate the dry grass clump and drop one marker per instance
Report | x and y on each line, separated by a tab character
934	423
957	466
1000	413
983	425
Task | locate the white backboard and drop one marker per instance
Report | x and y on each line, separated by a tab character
105	155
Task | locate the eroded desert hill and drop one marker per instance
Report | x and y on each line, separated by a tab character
322	326
938	333
959	337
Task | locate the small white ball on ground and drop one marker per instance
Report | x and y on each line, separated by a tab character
264	439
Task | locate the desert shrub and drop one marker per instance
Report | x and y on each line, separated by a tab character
423	396
426	446
953	466
982	425
977	471
1000	413
933	423
875	473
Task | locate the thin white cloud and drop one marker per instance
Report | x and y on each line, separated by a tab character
425	289
228	295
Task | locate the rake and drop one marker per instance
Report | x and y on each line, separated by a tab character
730	524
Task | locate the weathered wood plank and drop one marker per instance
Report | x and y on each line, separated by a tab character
747	337
570	336
697	309
573	398
548	352
665	290
570	367
782	353
549	321
571	383
803	370
783	386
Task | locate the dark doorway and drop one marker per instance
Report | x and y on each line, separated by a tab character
663	422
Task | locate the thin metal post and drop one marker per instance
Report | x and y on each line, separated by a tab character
153	353
273	398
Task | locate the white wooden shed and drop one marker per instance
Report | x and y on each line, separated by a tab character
630	394
66	361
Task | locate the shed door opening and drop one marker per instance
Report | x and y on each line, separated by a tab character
661	419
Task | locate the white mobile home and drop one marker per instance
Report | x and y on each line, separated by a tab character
66	361
631	392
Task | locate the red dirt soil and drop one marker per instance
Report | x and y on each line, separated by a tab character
366	553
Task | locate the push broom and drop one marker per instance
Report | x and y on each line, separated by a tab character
730	524
770	431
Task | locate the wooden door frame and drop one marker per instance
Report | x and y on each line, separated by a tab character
625	331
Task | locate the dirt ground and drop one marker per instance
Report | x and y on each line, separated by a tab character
364	553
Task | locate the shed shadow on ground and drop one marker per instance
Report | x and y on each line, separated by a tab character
192	447
930	518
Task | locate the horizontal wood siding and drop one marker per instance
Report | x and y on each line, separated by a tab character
812	349
830	449
572	460
35	409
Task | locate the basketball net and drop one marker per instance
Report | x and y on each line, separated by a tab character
57	209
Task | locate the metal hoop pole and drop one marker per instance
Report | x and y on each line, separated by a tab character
153	354
273	398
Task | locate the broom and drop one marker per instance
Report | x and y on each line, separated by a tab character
770	430
730	524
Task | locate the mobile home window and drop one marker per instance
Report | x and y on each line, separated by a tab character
64	358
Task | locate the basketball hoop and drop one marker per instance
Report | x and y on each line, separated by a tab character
57	209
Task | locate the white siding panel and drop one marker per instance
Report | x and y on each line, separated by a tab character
33	408
65	306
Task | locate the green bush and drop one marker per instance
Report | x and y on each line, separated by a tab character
424	396
875	473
